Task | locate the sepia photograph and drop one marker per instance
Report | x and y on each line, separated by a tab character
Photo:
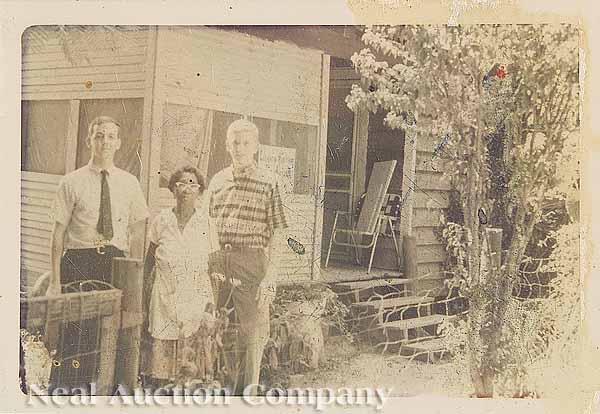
356	212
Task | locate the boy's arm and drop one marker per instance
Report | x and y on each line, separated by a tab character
56	251
278	224
268	287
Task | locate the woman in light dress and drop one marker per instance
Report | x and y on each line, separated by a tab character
178	289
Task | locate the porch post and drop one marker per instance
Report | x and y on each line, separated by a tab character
128	275
408	182
321	157
408	242
157	102
359	155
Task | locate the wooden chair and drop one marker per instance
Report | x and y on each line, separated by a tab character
370	219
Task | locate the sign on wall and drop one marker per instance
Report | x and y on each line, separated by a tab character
280	160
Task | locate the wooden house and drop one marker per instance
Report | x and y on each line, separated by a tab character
176	89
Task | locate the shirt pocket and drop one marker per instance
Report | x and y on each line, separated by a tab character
120	206
88	203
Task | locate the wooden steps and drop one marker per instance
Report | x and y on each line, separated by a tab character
392	308
387	316
428	350
394	302
427	345
365	284
414	323
395	336
363	290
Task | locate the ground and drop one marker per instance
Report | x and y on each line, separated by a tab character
346	365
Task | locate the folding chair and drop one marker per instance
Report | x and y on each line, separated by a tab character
370	220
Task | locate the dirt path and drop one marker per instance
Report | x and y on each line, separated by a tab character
347	366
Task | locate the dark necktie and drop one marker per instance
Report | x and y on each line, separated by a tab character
104	226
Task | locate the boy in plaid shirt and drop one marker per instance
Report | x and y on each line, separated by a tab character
247	217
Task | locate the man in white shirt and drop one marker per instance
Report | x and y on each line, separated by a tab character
99	211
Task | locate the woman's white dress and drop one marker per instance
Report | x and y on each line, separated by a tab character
182	287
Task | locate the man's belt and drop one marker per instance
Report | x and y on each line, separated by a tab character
228	247
103	249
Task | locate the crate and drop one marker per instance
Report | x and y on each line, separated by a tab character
97	315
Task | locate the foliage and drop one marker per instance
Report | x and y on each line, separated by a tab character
331	312
505	98
457	238
547	330
561	314
299	314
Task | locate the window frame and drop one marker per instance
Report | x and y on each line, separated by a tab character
70	158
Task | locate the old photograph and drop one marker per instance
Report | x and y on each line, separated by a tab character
363	212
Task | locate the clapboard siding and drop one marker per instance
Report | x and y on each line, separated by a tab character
32	224
83	89
42	189
427	235
37	217
46	51
43	234
431	162
430	253
72	74
100	78
425	217
431	144
299	210
35	266
37	192
32	207
432	279
93	61
261	78
39	239
36	201
430	201
427	180
433	270
99	64
48	36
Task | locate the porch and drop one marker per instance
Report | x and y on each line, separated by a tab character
348	272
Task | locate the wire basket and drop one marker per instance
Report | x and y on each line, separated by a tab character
80	329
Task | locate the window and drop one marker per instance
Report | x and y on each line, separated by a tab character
43	136
129	113
219	158
302	138
183	139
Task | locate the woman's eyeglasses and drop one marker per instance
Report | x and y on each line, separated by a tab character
183	186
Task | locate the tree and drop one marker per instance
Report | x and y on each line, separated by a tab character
506	98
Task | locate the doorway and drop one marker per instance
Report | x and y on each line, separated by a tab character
355	141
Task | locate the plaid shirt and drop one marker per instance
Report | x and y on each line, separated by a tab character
245	207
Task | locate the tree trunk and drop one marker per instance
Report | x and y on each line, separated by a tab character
485	318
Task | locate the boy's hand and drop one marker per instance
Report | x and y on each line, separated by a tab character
266	292
218	277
